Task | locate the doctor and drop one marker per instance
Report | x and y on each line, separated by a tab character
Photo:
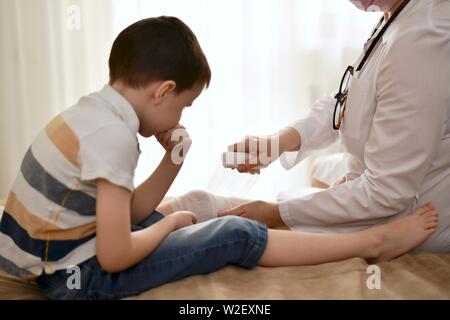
392	113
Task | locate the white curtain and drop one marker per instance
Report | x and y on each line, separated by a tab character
270	60
51	53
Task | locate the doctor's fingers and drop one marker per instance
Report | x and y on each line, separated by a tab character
250	144
253	172
236	211
256	169
340	181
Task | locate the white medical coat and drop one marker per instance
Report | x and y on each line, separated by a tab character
396	131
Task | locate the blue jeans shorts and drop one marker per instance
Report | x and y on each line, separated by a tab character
199	249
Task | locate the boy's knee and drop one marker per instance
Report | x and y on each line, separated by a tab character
238	227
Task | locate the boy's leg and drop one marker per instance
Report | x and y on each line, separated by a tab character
199	249
385	242
204	204
206	247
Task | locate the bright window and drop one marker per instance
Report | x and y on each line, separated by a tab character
270	60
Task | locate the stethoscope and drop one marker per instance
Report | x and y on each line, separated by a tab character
341	97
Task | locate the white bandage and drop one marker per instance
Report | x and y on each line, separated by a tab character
204	204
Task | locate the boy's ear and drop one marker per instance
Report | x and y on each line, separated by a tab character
163	90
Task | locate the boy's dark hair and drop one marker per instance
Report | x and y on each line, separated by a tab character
156	49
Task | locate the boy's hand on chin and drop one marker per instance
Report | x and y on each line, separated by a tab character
175	141
170	138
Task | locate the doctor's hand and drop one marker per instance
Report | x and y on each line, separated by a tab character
339	182
265	212
264	148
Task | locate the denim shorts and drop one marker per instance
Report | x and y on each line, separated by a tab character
199	249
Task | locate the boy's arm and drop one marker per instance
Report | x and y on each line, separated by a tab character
117	247
151	192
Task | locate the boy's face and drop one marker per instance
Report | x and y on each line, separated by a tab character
164	107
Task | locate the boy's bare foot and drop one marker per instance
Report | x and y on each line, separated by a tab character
400	236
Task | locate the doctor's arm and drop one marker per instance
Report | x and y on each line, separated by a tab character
298	140
315	132
413	100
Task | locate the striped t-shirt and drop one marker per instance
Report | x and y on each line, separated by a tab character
49	220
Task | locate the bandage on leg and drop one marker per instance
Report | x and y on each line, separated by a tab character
204	204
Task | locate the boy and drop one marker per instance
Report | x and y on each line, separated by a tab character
74	203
